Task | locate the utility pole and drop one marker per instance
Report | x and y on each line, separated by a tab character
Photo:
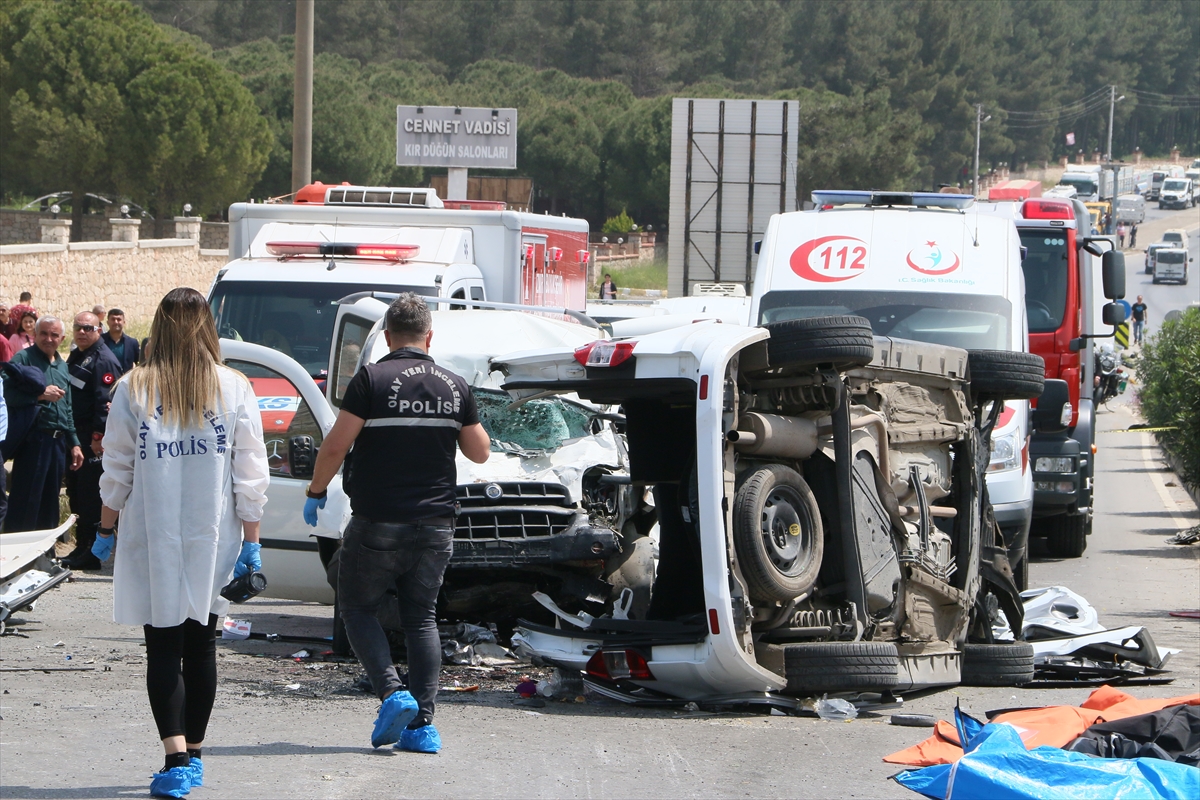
1112	106
979	120
303	100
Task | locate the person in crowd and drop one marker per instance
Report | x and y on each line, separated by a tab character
49	442
16	312
1122	232
185	472
125	348
94	370
24	337
5	321
608	289
98	310
3	473
401	533
1140	317
6	350
1133	236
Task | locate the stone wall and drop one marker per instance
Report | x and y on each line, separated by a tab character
21	227
67	279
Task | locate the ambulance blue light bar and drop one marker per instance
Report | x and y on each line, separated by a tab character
830	198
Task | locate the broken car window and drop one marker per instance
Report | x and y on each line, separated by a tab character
543	424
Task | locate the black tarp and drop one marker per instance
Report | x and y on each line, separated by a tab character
1172	734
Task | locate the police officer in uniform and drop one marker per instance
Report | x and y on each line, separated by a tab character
404	416
93	371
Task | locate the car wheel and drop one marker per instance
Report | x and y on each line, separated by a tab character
840	340
1005	374
840	666
1006	664
777	533
1066	535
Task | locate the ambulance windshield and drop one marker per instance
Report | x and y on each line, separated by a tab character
294	318
969	321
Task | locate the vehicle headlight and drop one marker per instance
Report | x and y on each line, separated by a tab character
1065	417
1006	452
1054	464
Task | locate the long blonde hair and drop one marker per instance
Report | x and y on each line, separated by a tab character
180	365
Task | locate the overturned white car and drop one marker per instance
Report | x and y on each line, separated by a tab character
824	521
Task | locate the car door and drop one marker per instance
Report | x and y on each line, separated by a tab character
292	406
352	329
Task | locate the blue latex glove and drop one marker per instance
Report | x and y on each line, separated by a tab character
248	559
311	505
103	546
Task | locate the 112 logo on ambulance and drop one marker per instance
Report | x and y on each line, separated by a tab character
830	258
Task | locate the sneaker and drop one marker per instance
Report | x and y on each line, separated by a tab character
397	711
173	782
195	770
420	740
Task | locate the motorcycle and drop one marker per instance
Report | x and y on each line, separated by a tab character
1110	375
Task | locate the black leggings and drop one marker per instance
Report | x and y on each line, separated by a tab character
182	698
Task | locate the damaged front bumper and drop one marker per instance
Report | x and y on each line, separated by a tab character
544	536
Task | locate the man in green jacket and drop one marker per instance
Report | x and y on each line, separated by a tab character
40	457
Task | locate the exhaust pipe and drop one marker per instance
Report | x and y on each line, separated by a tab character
775	436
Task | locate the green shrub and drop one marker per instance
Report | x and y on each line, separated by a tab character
621	224
1170	396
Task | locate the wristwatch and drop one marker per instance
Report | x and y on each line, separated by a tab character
308	492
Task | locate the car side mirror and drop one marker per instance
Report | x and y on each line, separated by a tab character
1113	313
1112	266
302	456
1053	412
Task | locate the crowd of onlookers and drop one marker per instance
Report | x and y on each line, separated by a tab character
53	412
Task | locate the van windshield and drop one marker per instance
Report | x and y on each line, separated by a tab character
294	318
969	321
1174	185
1045	267
1085	186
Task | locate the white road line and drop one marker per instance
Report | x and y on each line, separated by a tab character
1156	477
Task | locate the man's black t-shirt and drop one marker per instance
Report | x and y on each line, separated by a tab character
402	466
1139	311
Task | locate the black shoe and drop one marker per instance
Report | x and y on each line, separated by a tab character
82	561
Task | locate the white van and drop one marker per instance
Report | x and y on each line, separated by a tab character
1131	208
1177	193
1171	265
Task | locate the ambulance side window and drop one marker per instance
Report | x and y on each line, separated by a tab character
284	413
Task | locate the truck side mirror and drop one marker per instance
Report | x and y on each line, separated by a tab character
1113	313
1112	266
1052	407
302	456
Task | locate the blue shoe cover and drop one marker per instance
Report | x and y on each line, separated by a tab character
397	711
420	740
195	770
174	782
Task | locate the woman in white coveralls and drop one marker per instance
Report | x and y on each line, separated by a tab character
186	469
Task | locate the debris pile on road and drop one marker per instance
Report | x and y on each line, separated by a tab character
1072	648
1113	745
26	569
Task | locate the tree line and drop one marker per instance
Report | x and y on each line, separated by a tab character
198	107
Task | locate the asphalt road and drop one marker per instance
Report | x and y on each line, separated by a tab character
1163	297
90	734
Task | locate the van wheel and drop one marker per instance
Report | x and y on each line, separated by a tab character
1066	535
840	666
841	340
1004	664
777	533
1006	374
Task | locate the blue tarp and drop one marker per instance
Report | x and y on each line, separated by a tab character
997	766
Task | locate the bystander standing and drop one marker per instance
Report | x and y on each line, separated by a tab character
1140	316
24	336
1133	236
125	348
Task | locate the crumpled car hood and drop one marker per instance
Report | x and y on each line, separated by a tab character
565	465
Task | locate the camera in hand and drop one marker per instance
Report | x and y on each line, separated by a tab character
239	590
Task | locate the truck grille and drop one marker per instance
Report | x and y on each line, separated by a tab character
524	510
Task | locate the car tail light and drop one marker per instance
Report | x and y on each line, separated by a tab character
616	665
605	354
703	387
387	252
714	625
1046	209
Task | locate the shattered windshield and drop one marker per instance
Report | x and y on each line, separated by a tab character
542	424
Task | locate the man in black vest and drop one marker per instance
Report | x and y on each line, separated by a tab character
404	416
93	370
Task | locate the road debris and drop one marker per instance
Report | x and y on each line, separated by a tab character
836	709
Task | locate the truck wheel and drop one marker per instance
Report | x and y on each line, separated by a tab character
840	666
1066	535
777	533
842	340
1005	664
1006	374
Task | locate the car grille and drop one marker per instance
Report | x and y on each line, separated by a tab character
524	510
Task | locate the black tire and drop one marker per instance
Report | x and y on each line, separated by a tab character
839	340
840	666
1006	664
1006	374
1066	535
777	533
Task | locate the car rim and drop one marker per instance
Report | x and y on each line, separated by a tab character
787	531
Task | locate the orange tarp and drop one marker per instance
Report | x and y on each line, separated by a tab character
1053	725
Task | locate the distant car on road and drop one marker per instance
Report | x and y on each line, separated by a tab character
1177	193
1151	251
1171	264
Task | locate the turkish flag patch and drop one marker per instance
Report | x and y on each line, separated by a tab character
108	378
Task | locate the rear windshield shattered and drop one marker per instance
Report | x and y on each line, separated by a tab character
538	425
